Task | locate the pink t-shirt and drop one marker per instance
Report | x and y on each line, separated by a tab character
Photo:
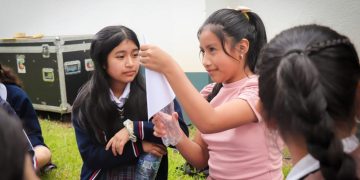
249	151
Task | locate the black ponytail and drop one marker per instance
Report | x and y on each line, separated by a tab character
259	40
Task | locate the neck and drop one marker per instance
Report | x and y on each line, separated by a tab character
117	89
242	74
297	149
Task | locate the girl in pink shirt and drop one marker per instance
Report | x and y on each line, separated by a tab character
233	142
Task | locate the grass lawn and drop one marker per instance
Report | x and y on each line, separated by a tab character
60	137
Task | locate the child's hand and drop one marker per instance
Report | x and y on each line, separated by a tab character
118	141
154	58
166	125
159	126
155	149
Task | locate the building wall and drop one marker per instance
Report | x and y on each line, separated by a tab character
171	24
343	16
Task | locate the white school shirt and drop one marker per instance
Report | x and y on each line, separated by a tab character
309	164
3	92
122	99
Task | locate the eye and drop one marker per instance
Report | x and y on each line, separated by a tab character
119	57
136	54
212	49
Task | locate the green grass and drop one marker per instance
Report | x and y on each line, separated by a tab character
60	137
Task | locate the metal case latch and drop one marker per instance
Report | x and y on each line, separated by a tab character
45	51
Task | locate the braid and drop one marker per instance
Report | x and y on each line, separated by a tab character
326	44
214	91
302	92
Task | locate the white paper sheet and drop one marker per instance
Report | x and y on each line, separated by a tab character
158	92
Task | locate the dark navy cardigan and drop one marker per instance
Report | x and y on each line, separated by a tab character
7	108
95	157
20	102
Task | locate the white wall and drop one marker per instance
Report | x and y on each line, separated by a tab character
172	24
343	16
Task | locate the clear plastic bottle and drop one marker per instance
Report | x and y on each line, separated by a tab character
148	164
147	167
169	109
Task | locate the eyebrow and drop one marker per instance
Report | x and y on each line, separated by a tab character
123	51
209	45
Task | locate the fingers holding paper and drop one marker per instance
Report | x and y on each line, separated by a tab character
154	58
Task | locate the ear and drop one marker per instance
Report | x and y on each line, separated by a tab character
242	47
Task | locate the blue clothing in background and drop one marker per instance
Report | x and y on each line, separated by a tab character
20	102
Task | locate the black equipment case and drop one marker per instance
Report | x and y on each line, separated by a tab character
52	68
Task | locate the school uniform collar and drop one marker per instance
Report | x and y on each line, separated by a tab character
309	164
3	92
122	99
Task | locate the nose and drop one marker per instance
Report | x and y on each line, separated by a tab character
129	61
205	61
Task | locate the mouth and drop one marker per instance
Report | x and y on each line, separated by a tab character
129	73
210	70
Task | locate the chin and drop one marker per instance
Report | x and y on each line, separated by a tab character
216	80
131	79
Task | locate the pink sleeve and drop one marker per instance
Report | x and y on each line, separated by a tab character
250	93
207	90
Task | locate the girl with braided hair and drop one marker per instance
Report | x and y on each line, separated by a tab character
232	138
308	79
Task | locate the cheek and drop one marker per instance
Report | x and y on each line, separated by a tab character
137	64
113	69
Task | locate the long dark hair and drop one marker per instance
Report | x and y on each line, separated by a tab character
307	84
14	144
237	25
93	106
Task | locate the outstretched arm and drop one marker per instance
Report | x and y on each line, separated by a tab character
206	118
194	151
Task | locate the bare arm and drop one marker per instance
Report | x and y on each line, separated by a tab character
206	118
194	151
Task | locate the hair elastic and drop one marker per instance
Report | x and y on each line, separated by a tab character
244	10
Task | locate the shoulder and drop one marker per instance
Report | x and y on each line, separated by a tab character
252	81
14	90
16	95
249	88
